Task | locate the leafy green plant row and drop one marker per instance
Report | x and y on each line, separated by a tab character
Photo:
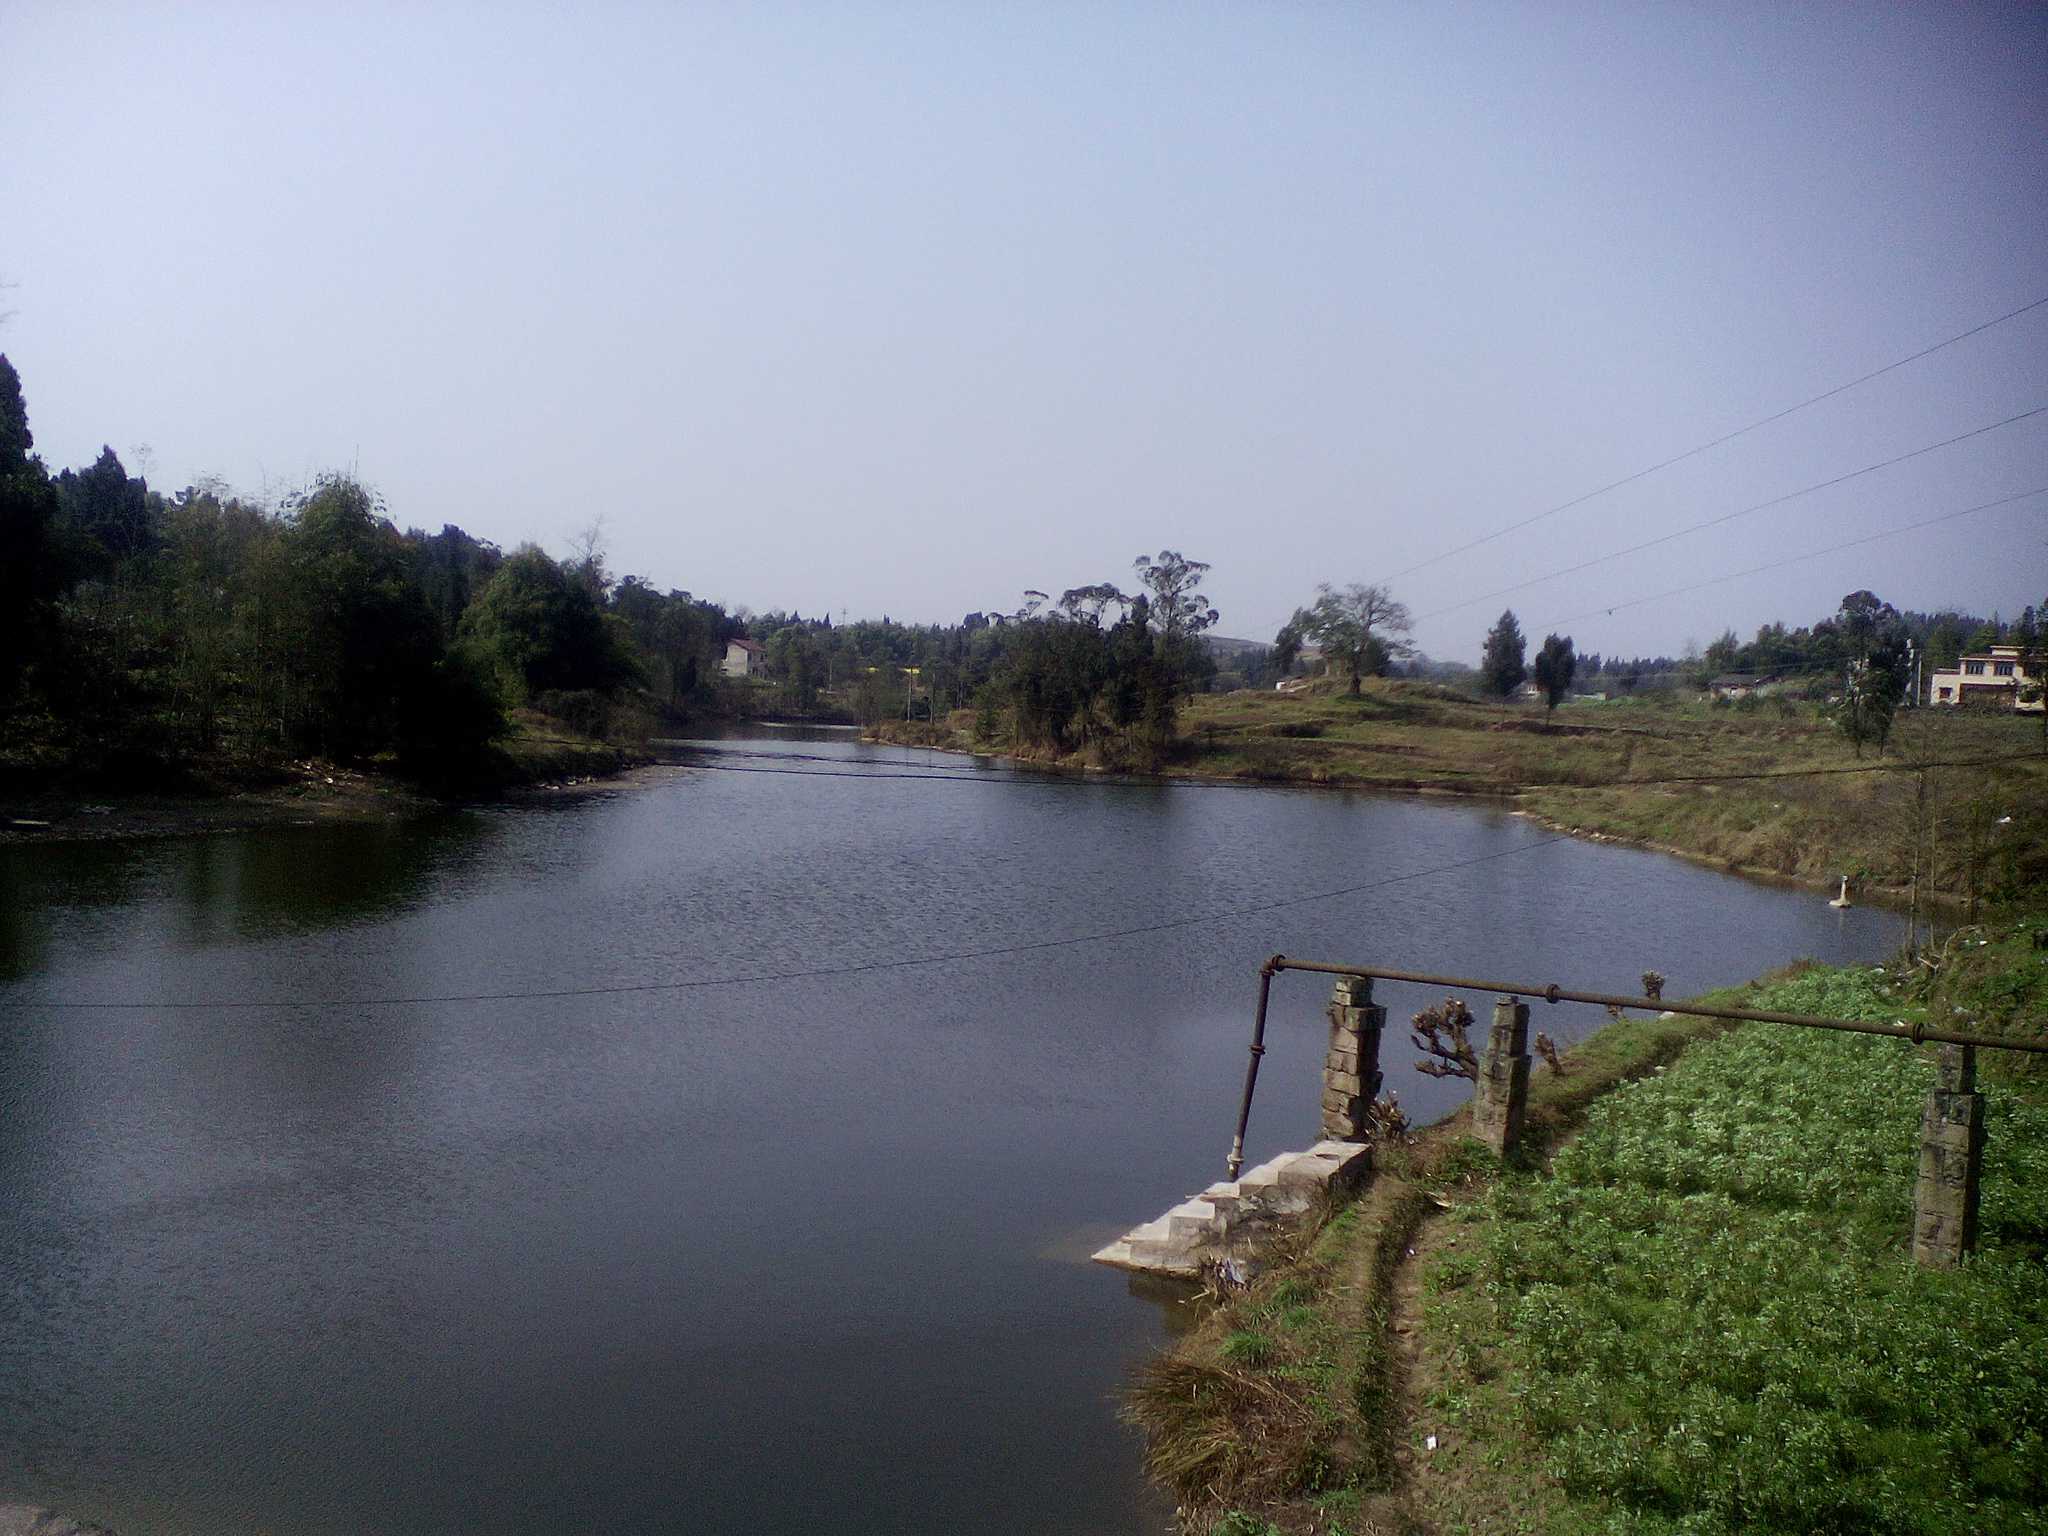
1710	1317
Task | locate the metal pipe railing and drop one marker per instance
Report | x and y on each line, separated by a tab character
1251	1071
1553	993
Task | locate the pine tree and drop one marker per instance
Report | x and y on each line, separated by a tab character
1502	664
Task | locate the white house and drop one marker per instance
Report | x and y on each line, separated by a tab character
1997	677
742	658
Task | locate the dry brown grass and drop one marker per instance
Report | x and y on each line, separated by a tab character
1220	1436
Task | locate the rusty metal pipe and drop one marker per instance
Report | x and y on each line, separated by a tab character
1251	1070
1553	993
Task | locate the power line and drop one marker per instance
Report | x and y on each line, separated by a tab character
698	983
1729	517
1833	549
1679	458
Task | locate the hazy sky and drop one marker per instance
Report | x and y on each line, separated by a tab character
902	308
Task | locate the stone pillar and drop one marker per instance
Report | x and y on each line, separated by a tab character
1502	1091
1951	1158
1351	1070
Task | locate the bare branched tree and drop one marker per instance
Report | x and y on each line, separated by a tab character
1443	1033
586	560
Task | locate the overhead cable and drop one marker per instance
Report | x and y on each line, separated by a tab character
1833	549
1727	437
954	956
806	974
1729	517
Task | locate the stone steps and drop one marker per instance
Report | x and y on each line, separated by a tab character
1205	1226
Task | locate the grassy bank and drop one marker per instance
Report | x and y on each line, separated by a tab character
1690	1307
1879	828
541	750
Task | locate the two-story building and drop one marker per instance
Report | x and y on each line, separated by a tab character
742	658
1998	679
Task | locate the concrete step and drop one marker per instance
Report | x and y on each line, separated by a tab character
1201	1226
1195	1219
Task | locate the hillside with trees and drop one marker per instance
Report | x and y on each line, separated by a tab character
204	638
153	639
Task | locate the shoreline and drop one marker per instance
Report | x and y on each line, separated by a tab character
1889	897
314	793
323	795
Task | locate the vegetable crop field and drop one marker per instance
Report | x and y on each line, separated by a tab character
1704	1317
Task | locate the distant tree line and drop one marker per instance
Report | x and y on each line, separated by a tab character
1818	655
1830	646
1097	670
1859	661
141	632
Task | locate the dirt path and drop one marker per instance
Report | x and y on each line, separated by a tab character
1429	1454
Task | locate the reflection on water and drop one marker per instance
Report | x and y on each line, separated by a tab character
785	1256
201	891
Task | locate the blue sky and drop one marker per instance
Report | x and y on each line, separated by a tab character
904	308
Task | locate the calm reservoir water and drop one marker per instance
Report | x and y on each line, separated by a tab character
798	1255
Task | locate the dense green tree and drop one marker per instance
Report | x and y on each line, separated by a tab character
452	568
1984	636
1869	700
1872	642
209	544
1555	665
543	631
680	639
109	518
365	647
2030	635
1723	655
28	508
1945	641
1287	647
796	658
1053	672
1501	665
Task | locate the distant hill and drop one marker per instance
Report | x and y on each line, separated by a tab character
1224	648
